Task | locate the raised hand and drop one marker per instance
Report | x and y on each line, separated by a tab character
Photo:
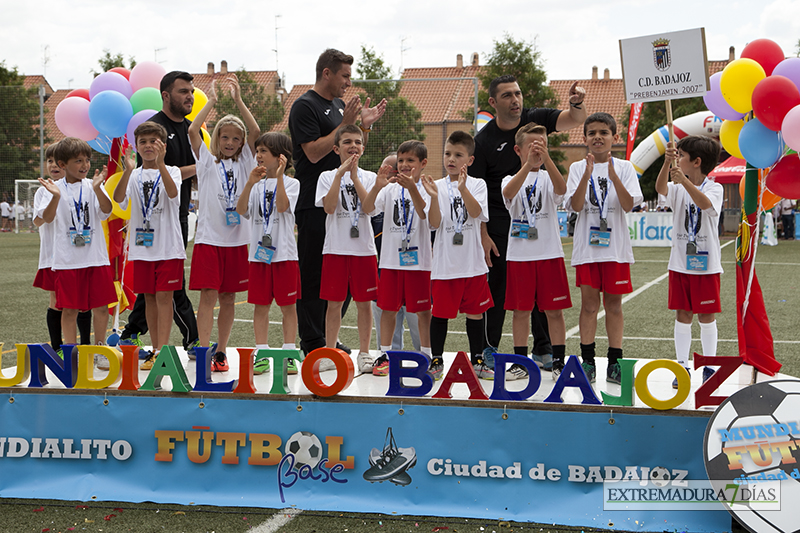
51	187
384	177
161	151
406	181
129	159
576	94
370	115
233	85
462	178
256	175
281	165
351	110
99	177
430	186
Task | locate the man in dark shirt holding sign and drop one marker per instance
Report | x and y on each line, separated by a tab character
495	159
313	121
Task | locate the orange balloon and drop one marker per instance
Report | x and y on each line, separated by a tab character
768	201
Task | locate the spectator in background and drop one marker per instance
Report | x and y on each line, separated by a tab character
787	218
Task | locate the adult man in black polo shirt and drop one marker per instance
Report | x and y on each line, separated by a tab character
177	96
313	121
494	160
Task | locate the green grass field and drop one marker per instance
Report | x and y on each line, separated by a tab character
648	334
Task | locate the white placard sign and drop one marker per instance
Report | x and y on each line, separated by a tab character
665	66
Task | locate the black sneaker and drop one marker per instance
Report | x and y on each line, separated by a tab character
343	347
614	374
675	381
436	369
516	371
590	370
707	373
558	366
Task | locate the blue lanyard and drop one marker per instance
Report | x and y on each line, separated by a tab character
76	206
407	219
693	214
525	206
147	207
228	184
268	220
459	222
600	200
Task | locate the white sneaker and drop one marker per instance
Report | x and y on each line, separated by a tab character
516	372
101	362
365	362
326	364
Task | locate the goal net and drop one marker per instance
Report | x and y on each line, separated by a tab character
23	204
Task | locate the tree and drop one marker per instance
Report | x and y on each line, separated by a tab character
402	120
654	115
19	129
266	109
107	62
522	60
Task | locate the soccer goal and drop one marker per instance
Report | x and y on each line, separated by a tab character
23	204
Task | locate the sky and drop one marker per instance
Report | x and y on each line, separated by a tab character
572	36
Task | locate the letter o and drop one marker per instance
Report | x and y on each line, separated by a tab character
121	450
684	384
309	371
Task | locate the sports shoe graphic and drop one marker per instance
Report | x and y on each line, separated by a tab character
391	462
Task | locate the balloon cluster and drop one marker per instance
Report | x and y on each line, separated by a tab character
758	96
115	104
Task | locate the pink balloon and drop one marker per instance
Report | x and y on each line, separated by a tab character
146	74
789	68
140	117
110	81
72	118
790	128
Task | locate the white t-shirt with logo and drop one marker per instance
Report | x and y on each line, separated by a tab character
619	249
279	225
339	224
536	194
164	218
706	226
86	216
451	261
218	191
400	219
41	199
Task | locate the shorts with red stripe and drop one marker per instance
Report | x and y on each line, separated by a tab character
411	288
45	279
609	277
279	281
150	277
698	293
358	273
221	268
467	295
85	288
537	282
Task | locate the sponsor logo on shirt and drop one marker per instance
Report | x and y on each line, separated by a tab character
706	302
327	111
500	148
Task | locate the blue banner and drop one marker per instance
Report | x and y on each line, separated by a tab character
515	462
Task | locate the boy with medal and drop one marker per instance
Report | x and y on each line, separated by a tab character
348	255
269	198
406	259
695	259
156	246
535	260
459	284
601	189
83	278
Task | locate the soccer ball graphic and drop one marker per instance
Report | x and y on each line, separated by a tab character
305	447
763	404
659	476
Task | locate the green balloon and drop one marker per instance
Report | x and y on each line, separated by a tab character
146	98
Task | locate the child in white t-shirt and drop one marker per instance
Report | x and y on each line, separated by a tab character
695	259
459	284
406	245
268	200
535	259
601	189
83	276
348	255
219	259
155	244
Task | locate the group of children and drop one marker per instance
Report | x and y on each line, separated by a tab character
245	239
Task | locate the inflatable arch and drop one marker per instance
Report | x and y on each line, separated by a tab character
653	147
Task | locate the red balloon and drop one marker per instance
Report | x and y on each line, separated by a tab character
765	52
122	71
772	98
80	93
784	178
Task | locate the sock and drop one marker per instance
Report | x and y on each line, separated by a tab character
262	347
288	346
521	350
438	335
85	326
54	328
614	355
476	337
683	342
587	353
385	349
708	338
558	352
426	350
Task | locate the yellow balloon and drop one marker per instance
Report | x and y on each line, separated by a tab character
206	138
738	81
111	184
200	100
729	136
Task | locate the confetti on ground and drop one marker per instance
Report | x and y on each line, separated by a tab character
109	516
81	507
181	512
118	509
39	510
441	528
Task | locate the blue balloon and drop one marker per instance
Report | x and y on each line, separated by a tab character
760	146
102	144
110	113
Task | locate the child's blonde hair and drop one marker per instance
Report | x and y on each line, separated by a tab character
227	120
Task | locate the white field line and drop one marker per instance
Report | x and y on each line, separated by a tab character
278	520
